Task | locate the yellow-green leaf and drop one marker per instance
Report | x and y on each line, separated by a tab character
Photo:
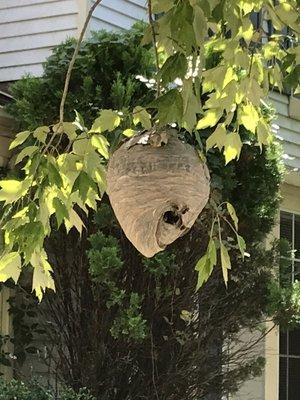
233	146
10	266
140	115
225	262
241	244
108	121
129	132
248	116
186	315
232	214
26	152
20	138
264	135
42	278
74	221
210	118
41	133
12	190
217	138
246	30
101	144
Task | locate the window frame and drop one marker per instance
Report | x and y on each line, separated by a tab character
287	356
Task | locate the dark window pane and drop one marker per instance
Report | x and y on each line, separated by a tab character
282	378
297	270
294	378
297	236
286	222
283	342
294	343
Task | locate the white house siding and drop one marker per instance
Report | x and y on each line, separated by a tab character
118	14
28	31
289	131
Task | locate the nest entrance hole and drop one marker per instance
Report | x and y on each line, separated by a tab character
171	217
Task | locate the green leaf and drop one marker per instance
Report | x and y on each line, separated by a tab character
202	267
161	6
83	183
41	133
108	121
182	30
10	266
69	128
206	264
42	278
225	262
20	138
232	214
61	211
287	13
140	115
54	175
191	105
82	145
101	144
233	146
174	67
210	118
199	25
26	152
212	252
170	107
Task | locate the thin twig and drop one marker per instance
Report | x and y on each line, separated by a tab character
151	23
153	365
72	62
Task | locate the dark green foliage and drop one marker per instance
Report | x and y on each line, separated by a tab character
257	195
17	390
103	77
104	266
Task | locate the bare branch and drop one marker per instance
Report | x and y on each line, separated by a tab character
151	23
72	62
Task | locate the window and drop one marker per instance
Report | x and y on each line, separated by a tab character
289	364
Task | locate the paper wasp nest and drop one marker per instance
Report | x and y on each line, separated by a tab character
157	187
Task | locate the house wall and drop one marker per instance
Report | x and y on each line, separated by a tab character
266	387
5	329
289	131
29	29
116	14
